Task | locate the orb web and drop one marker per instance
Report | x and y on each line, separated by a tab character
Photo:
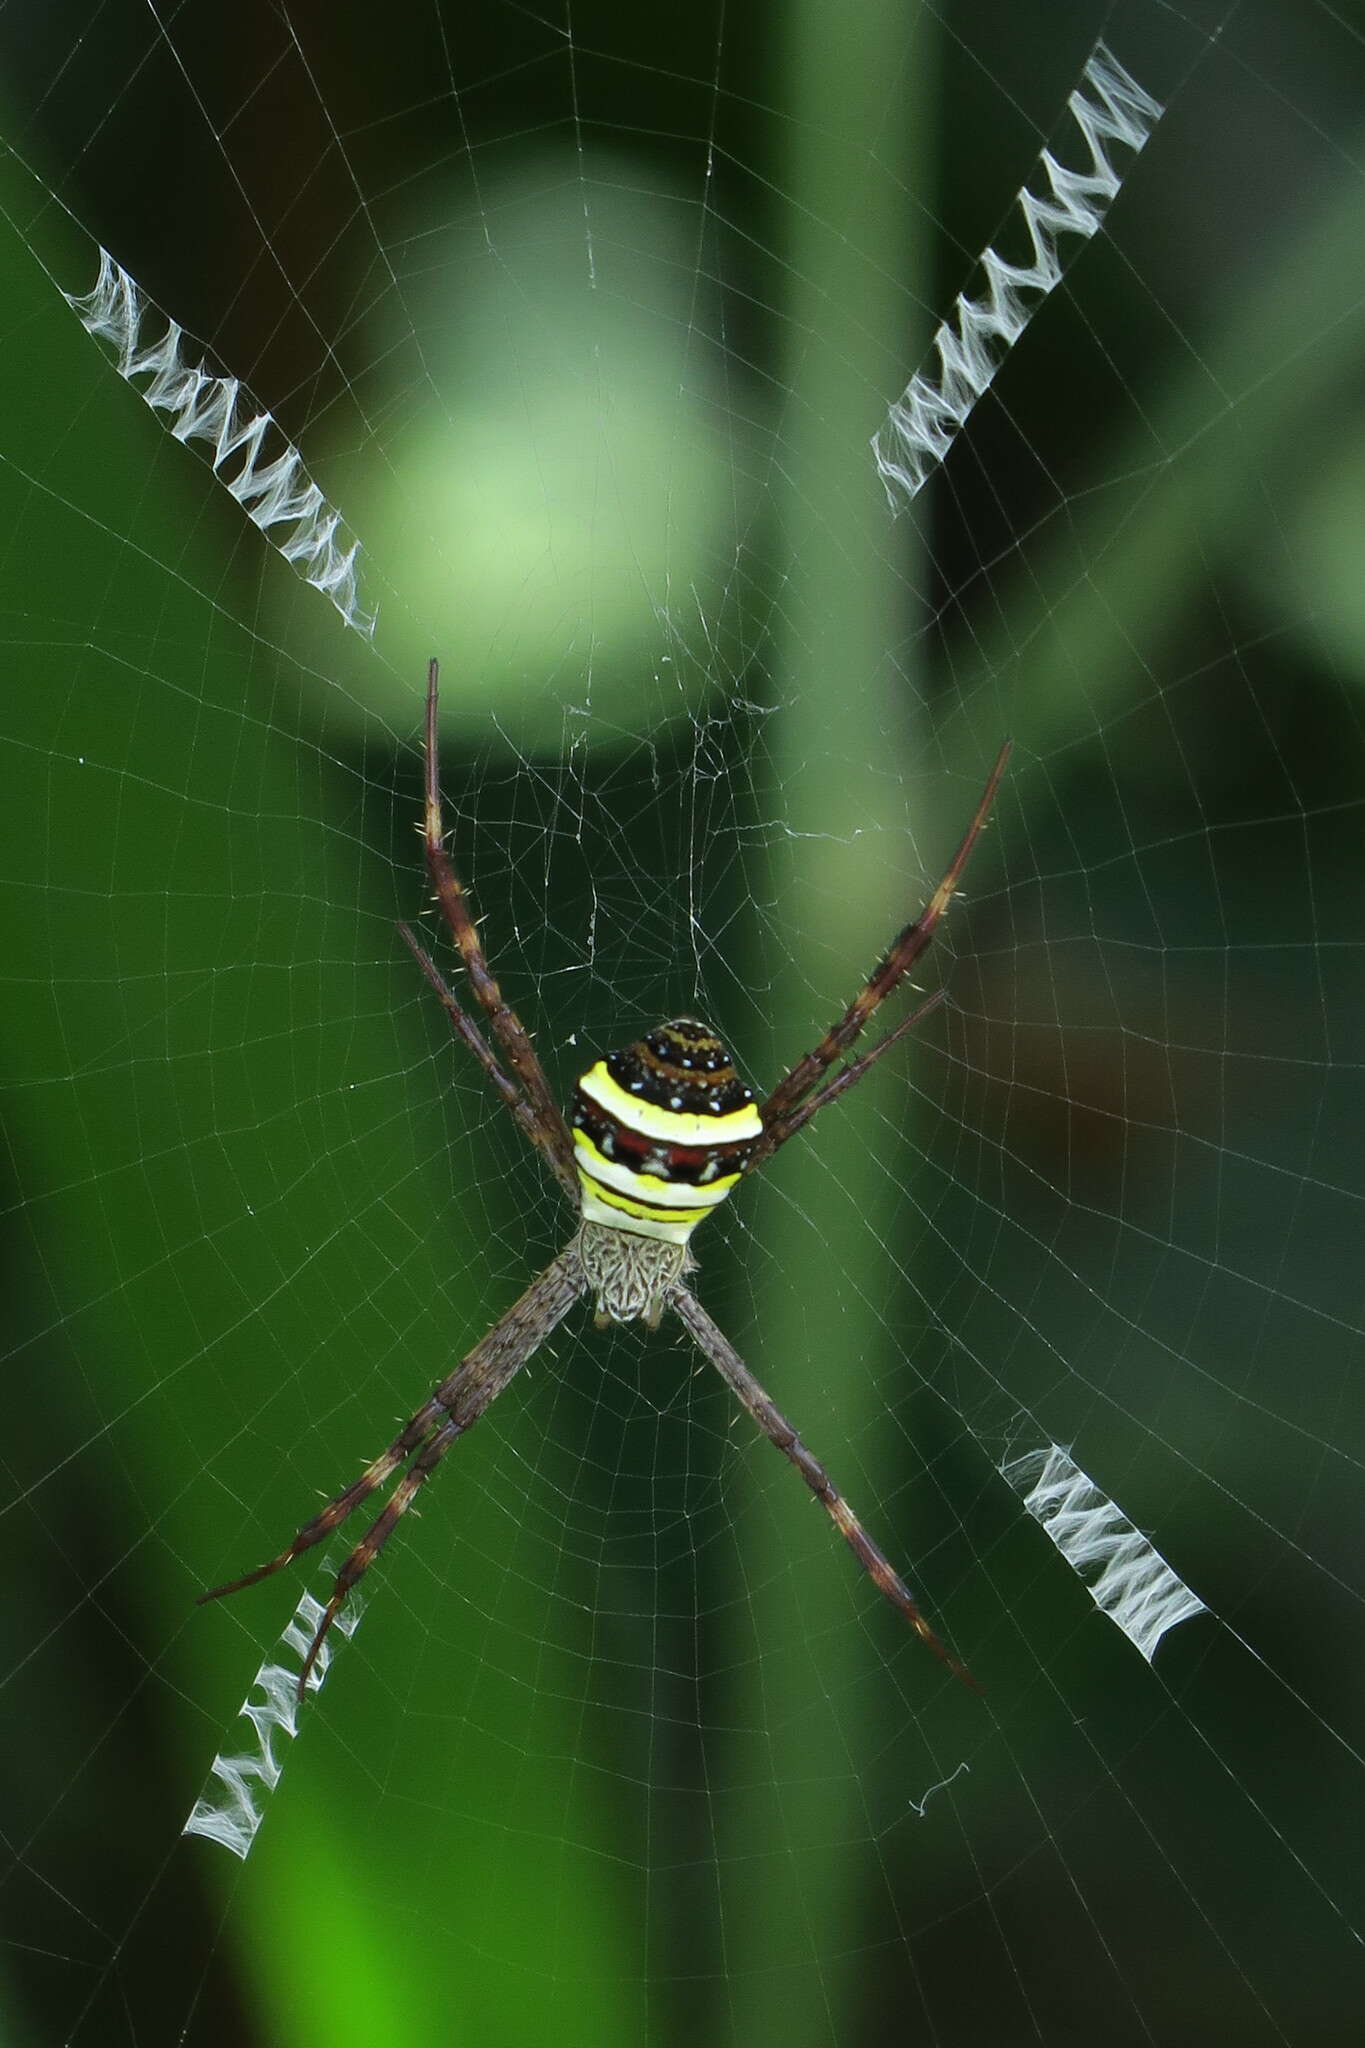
761	420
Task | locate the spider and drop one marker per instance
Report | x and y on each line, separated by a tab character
662	1131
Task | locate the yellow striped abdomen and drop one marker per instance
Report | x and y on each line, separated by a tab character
662	1130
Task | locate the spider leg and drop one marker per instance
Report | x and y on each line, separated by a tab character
465	1029
453	1408
506	1026
375	1475
384	1524
716	1347
897	961
796	1119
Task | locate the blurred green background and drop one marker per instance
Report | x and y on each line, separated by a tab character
585	324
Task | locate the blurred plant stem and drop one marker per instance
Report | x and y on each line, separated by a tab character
840	885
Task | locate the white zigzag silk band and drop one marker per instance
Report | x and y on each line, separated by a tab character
1125	1577
1111	110
231	1815
278	492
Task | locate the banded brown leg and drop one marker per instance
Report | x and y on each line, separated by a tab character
503	1020
777	1112
717	1348
453	1408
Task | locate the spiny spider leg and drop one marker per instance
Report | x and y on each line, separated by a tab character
376	1474
453	1408
507	1027
717	1348
899	957
469	1034
798	1118
383	1526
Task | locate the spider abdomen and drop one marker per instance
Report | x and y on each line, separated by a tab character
662	1130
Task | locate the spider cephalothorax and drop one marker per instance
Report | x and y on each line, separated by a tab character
662	1131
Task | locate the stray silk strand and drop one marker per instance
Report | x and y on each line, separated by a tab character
1124	1575
1112	111
231	1811
218	410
